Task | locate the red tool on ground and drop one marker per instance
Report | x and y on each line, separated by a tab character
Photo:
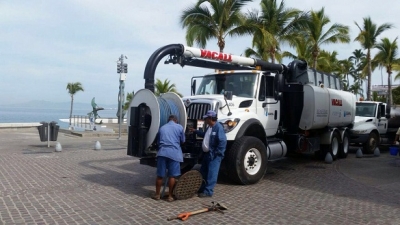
214	207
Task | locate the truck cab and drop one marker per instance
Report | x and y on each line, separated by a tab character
236	97
371	123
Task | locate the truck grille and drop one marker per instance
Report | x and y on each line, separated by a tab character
197	110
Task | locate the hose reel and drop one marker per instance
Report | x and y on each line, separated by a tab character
147	113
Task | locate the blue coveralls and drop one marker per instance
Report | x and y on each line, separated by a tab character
212	159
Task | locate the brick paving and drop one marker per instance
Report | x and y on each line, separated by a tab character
81	185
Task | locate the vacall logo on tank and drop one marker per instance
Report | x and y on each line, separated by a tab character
336	102
215	55
322	112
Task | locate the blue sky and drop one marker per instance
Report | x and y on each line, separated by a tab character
45	43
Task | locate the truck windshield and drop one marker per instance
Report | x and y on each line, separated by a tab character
241	84
365	109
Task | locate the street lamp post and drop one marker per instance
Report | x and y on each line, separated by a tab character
122	69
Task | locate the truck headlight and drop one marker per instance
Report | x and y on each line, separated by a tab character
360	131
230	124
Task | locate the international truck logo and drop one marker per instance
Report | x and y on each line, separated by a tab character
187	102
336	102
215	55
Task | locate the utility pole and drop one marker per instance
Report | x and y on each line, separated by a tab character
122	69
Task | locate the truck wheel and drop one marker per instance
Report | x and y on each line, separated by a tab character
334	146
344	146
370	145
247	160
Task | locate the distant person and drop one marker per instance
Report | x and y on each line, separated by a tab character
214	145
169	155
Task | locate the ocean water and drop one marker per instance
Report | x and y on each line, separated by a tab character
35	115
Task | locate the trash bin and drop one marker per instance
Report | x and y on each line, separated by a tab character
43	131
54	130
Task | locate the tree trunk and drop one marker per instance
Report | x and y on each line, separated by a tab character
221	44
70	112
390	98
315	54
272	54
369	75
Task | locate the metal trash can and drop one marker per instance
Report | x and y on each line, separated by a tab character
43	131
54	128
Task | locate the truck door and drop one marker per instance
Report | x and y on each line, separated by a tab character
381	120
267	106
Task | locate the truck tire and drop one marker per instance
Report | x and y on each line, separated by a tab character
332	148
247	160
370	145
344	146
335	145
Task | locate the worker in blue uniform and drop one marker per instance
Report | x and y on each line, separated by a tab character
169	155
214	145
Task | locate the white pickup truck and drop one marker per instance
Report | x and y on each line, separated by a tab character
373	126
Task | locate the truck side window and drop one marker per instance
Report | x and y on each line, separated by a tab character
266	88
261	94
269	86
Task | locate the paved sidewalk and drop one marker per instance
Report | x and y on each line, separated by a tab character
81	185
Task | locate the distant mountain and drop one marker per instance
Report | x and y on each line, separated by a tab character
39	104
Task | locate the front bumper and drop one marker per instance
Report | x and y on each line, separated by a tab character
358	138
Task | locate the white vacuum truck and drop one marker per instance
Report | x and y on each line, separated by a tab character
373	126
266	110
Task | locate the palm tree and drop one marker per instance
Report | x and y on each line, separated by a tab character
345	69
328	62
224	19
367	38
356	89
164	87
303	50
129	98
275	24
315	34
359	60
259	51
73	88
397	68
387	57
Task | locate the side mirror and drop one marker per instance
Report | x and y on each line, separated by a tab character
194	87
228	95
